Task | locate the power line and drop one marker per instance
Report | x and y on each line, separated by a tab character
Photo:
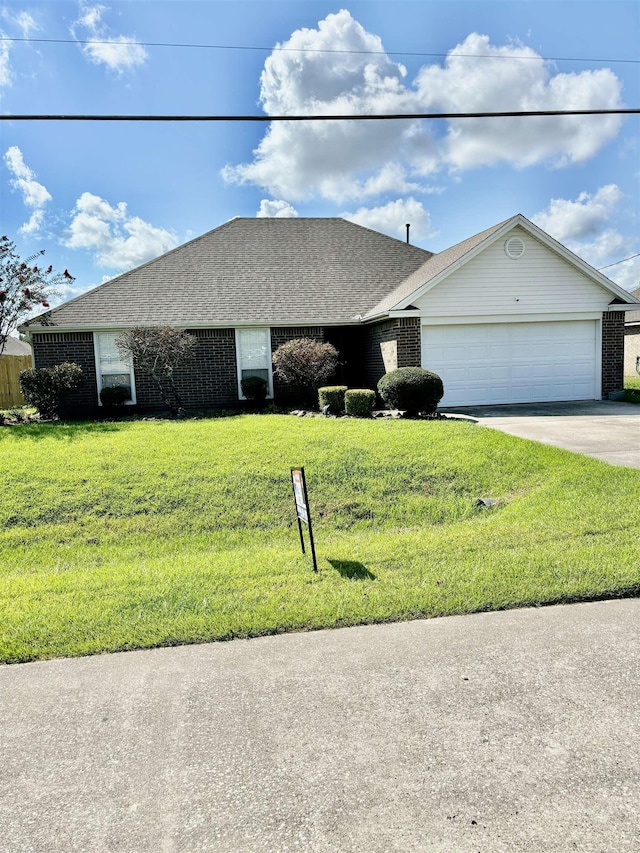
615	264
350	117
280	49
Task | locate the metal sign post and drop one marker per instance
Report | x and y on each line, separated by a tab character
302	509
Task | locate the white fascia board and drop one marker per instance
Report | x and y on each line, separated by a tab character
390	315
414	312
460	320
628	306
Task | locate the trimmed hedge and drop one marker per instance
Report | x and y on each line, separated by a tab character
359	402
332	396
254	388
114	396
411	389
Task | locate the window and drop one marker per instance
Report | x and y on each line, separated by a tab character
111	367
253	349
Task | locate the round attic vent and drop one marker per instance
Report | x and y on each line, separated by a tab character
514	247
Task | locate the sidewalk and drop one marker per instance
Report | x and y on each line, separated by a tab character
512	731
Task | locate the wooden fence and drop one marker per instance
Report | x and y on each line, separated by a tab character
10	368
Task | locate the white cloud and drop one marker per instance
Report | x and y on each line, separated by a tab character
119	53
276	208
26	23
24	20
570	220
34	194
116	239
340	160
391	219
6	75
584	226
482	84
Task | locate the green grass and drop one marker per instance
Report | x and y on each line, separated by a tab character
137	534
632	389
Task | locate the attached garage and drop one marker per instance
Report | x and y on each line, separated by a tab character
514	362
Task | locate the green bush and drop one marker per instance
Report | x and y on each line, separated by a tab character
332	396
254	388
411	389
359	402
114	396
46	387
304	365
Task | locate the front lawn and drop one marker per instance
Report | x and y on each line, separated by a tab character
631	389
136	534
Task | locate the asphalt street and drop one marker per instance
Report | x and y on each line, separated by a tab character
511	731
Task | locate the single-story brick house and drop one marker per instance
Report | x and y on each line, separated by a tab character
509	315
632	340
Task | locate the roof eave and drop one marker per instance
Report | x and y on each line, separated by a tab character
230	324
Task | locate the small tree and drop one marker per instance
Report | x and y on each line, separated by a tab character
24	286
305	364
46	387
159	351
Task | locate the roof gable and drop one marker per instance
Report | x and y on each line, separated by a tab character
438	268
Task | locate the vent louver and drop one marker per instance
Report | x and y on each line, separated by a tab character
514	247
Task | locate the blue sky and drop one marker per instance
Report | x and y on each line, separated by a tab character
101	198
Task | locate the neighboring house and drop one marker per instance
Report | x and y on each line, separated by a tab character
632	340
507	316
15	358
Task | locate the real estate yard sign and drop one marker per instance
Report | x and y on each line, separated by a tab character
302	509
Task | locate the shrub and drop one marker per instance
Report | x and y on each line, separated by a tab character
114	396
304	364
159	351
332	396
411	389
254	388
359	402
46	387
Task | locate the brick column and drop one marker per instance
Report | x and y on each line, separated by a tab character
612	353
409	342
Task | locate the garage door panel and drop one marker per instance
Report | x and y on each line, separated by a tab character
513	362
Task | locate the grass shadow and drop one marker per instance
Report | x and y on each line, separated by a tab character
353	570
59	430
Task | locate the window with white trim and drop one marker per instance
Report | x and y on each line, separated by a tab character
112	368
253	351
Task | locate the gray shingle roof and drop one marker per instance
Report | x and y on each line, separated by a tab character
633	316
13	346
266	271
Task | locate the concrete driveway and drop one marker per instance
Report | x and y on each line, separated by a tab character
496	732
607	430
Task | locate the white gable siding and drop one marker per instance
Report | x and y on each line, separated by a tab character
489	284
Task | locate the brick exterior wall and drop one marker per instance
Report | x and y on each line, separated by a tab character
210	381
51	348
405	332
409	342
612	353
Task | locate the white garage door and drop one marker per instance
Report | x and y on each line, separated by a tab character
513	362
